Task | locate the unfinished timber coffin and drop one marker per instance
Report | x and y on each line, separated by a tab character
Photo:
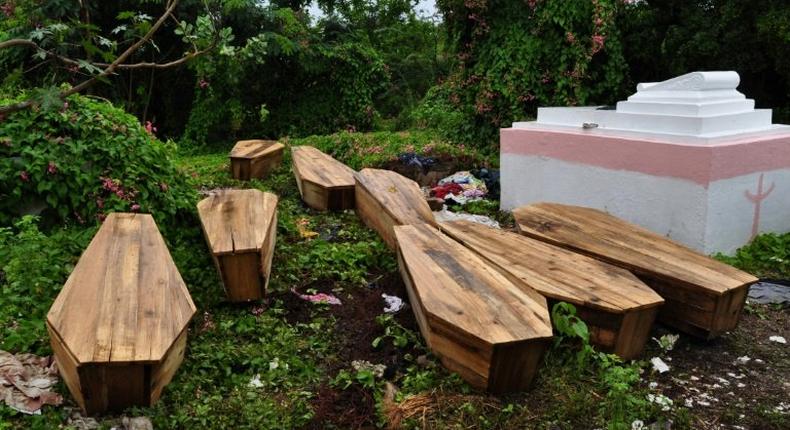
255	159
703	297
240	227
386	199
480	324
119	326
324	183
618	308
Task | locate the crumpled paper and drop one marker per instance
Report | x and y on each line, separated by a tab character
26	380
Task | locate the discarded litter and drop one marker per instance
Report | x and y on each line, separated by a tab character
412	159
26	380
445	215
460	187
305	232
330	299
667	341
491	179
659	365
743	359
255	382
770	291
393	304
661	400
778	339
376	369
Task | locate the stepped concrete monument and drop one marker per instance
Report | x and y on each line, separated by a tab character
689	158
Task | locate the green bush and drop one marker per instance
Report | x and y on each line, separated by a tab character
33	268
289	79
82	159
380	149
515	56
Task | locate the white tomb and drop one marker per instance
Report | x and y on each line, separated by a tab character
689	157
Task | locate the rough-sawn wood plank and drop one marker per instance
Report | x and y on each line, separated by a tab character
703	297
482	326
618	308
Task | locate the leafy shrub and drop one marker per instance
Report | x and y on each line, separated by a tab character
289	79
624	402
33	268
768	255
82	159
515	56
360	150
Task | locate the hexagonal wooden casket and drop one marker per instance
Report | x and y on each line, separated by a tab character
324	183
119	326
251	159
482	325
386	199
703	297
241	228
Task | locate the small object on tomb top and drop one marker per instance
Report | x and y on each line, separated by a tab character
321	169
237	220
254	148
125	300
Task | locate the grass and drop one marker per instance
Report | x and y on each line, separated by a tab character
298	359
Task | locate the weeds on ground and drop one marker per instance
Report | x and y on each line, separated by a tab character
767	256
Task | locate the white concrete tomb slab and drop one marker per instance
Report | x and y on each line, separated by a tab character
689	157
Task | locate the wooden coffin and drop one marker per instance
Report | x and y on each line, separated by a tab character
255	159
324	183
119	326
481	324
386	199
703	297
240	227
618	308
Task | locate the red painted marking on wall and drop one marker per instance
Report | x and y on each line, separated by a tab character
757	199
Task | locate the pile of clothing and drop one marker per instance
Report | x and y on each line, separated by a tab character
460	188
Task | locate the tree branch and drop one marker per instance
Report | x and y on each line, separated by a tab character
108	70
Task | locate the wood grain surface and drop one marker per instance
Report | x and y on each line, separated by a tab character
324	183
386	199
125	300
482	325
703	296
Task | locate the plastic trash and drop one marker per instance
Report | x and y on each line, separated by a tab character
393	304
445	215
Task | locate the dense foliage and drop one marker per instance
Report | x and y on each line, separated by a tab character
663	39
82	159
515	56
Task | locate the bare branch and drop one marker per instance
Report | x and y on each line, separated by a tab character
18	42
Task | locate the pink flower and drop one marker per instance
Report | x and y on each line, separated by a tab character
598	42
24	176
135	207
65	105
598	21
52	168
257	310
100	203
150	128
570	37
8	8
203	84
